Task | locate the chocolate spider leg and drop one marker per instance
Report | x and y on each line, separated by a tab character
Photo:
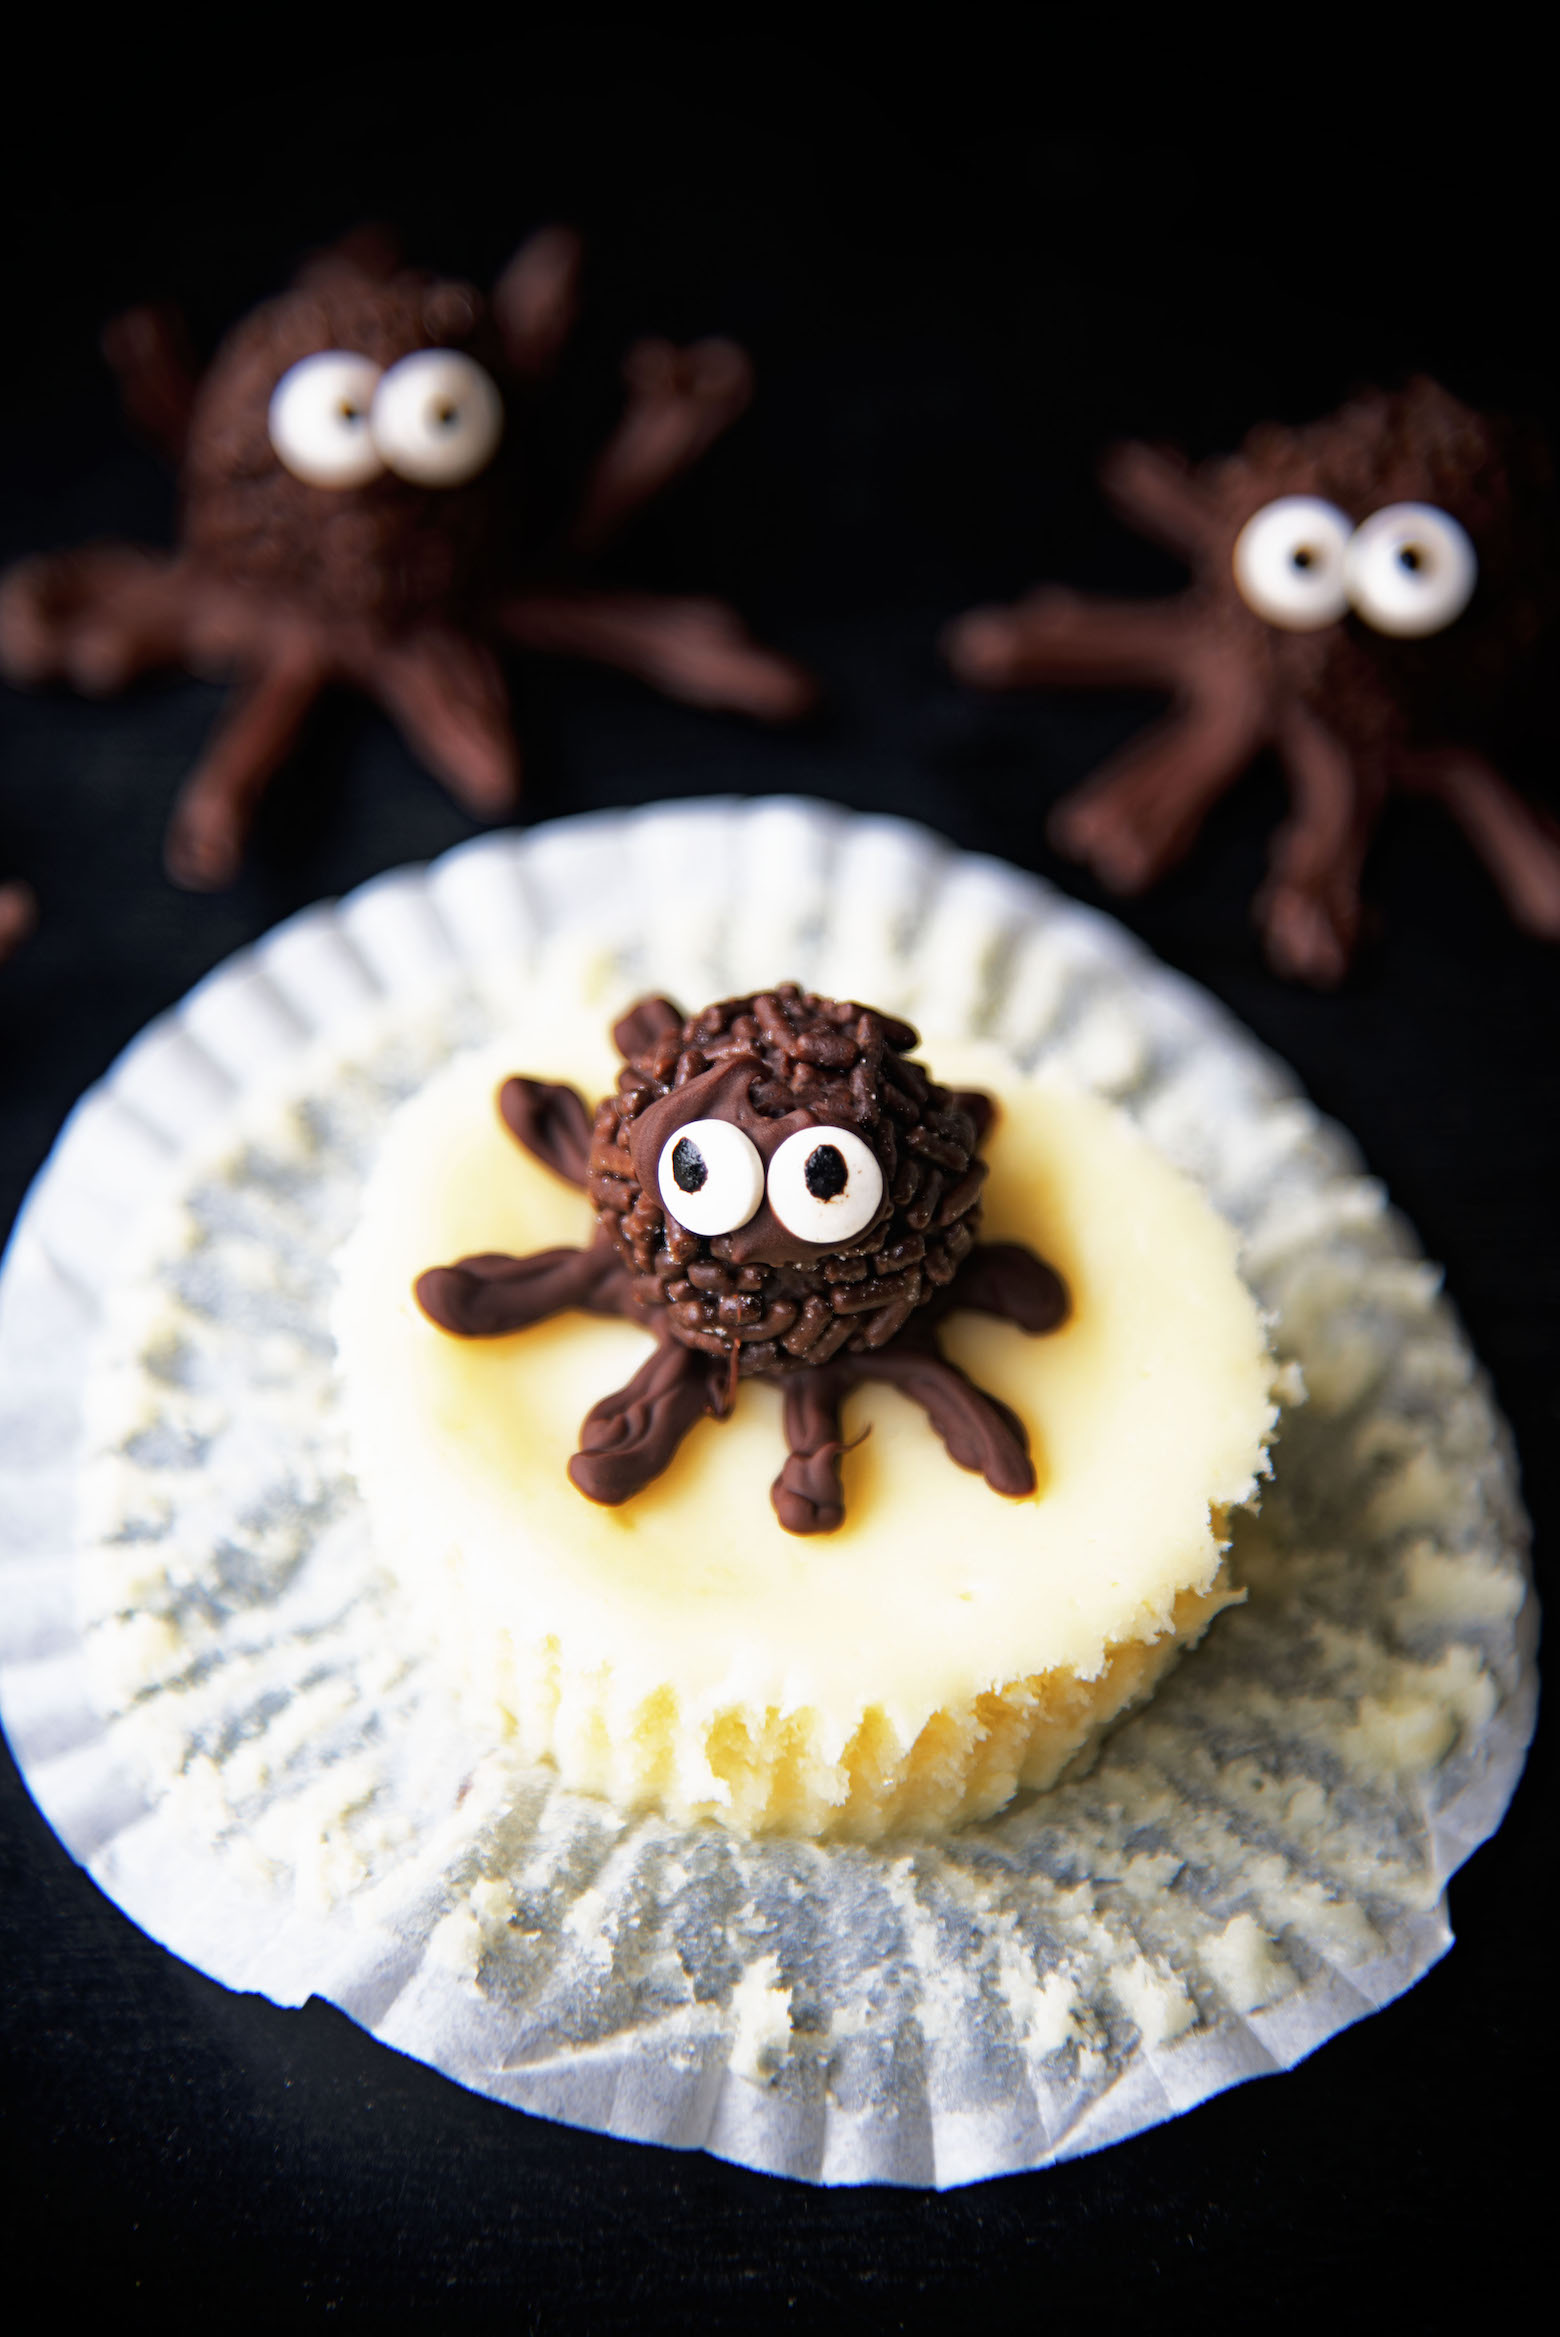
1156	493
697	650
631	1436
551	1122
149	351
1309	906
212	816
490	1295
1141	813
1065	637
806	1495
979	1431
96	618
647	1020
18	916
1009	1281
1518	841
448	696
679	403
536	299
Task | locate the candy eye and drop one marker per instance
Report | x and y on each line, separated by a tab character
825	1185
438	418
711	1177
1411	569
1289	563
319	419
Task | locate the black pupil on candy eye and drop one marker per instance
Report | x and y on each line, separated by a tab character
826	1173
1304	556
1411	558
690	1169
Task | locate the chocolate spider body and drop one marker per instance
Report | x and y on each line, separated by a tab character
780	1102
354	509
1361	666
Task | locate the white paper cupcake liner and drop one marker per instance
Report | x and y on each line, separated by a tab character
208	1682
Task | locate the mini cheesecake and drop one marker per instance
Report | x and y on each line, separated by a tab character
948	1645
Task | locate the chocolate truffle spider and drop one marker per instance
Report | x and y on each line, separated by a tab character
356	508
780	1194
1362	590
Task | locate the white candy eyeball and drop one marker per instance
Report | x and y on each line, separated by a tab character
438	418
825	1184
1411	569
1289	563
711	1176
319	419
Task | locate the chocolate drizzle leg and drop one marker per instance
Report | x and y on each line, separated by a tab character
806	1495
787	1292
18	916
1005	1279
630	1436
980	1432
679	401
551	1122
488	1296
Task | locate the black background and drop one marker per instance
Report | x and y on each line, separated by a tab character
952	306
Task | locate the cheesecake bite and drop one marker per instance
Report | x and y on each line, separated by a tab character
778	1233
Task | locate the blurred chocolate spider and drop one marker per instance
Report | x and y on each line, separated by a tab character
355	508
1363	590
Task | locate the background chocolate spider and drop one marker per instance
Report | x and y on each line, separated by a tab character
1363	591
356	508
780	1193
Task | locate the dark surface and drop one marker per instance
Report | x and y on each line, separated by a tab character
949	313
